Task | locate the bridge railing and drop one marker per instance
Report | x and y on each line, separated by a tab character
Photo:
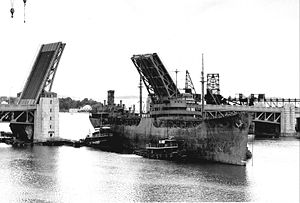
11	107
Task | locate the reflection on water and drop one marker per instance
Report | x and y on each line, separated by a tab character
274	176
27	174
66	174
167	181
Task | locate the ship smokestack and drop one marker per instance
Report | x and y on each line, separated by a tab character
110	97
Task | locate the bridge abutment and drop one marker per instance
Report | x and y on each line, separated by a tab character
288	120
46	119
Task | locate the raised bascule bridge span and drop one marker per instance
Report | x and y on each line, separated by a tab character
35	116
157	80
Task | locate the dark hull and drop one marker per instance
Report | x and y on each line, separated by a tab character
105	143
266	130
219	140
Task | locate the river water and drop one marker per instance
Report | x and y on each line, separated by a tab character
67	174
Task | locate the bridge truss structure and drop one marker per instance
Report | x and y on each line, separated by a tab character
17	114
260	114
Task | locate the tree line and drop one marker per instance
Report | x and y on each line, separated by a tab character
68	103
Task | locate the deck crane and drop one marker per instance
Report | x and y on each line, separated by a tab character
189	86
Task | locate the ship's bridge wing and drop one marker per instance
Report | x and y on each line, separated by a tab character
155	76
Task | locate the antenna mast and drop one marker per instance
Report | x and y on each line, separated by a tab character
202	83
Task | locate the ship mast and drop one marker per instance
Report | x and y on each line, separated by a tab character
202	84
176	71
140	86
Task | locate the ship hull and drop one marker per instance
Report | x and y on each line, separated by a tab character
219	140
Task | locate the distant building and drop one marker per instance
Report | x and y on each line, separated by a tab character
3	98
8	100
86	108
73	110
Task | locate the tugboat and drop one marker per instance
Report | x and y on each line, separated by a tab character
6	137
165	149
100	138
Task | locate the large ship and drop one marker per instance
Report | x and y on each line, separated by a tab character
297	127
175	115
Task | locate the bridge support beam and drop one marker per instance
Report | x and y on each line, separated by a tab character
46	119
288	120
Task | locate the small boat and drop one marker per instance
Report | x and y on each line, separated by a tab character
77	144
100	138
6	137
165	149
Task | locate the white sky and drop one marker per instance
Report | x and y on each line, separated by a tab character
252	44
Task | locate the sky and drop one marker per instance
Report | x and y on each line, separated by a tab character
252	44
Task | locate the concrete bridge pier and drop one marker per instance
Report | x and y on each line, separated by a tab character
288	120
46	118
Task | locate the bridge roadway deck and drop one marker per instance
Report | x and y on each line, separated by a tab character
242	108
9	107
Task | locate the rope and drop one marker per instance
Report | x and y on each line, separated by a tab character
12	10
24	12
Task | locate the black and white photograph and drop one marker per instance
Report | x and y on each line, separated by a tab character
149	101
